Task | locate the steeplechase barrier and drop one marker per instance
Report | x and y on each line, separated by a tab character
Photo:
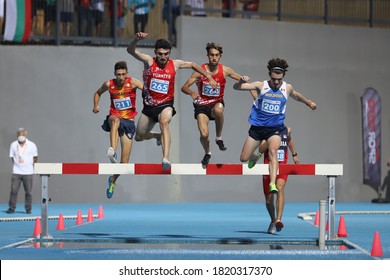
46	169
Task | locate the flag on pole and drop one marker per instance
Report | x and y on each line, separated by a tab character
17	20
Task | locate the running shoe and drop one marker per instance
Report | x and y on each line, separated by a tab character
205	160
112	155
166	164
271	228
273	188
110	187
221	145
252	163
279	225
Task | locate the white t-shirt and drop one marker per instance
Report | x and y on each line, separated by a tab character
23	157
199	4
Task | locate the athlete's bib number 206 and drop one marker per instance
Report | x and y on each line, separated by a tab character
209	91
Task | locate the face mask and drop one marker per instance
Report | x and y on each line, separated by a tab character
21	138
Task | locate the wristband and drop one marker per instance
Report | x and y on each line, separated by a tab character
294	155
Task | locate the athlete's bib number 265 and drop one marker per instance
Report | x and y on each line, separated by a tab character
159	86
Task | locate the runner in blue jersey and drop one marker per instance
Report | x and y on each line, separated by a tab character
268	114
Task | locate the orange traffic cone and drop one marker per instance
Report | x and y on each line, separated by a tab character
61	224
342	232
90	216
100	212
79	219
37	227
317	219
376	250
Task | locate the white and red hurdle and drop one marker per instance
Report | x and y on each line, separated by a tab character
47	169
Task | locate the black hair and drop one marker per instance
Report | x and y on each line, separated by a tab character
213	45
277	65
163	44
120	65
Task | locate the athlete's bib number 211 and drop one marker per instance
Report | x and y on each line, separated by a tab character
122	103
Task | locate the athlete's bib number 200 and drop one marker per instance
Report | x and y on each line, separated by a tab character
159	86
271	106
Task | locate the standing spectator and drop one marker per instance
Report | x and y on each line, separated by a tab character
121	13
50	15
228	5
67	10
85	15
250	6
196	8
97	16
170	16
24	154
141	10
38	17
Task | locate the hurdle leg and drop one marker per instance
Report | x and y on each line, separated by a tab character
331	205
321	232
44	205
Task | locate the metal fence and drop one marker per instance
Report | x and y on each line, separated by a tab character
68	22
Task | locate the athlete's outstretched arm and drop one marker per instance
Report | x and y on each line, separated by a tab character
179	64
300	97
242	85
132	50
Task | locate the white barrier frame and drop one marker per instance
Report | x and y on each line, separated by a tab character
47	169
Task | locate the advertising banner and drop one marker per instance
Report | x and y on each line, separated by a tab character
371	117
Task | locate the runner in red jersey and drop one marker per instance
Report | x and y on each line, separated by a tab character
159	80
120	121
159	84
209	102
281	180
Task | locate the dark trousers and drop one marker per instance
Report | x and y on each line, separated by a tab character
16	181
140	20
85	18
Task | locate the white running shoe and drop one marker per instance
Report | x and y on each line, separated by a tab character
271	228
112	155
